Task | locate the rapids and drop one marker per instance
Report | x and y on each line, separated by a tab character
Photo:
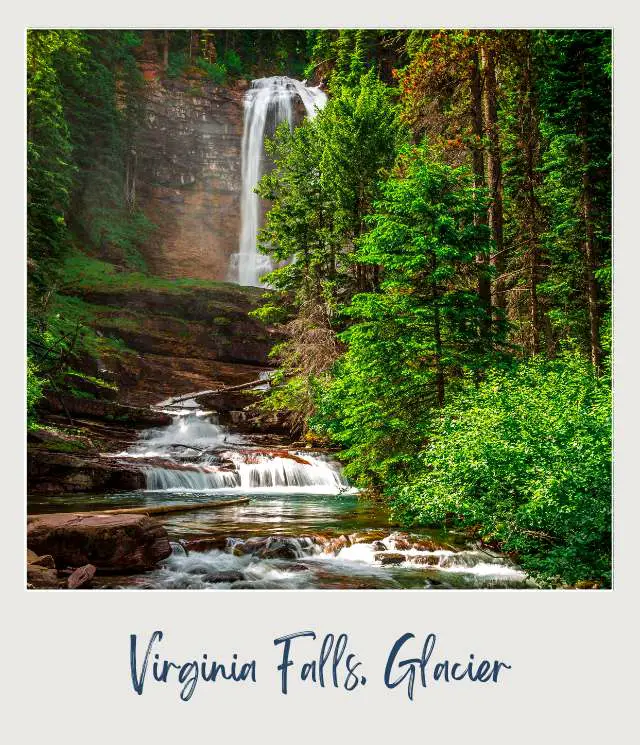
304	526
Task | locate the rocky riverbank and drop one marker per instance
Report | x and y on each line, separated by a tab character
70	548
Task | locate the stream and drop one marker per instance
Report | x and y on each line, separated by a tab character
304	526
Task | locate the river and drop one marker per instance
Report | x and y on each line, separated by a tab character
304	525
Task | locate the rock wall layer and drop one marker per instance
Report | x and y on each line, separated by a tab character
188	175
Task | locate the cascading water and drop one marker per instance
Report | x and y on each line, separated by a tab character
194	453
303	526
268	102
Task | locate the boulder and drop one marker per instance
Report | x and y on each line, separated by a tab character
63	472
38	577
387	558
45	561
81	576
368	536
334	545
281	548
113	543
428	559
229	575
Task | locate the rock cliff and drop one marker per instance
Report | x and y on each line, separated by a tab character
188	178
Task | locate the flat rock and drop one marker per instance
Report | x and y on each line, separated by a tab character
116	543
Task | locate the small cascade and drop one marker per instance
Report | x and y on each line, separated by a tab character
188	432
267	103
167	479
195	453
252	472
285	472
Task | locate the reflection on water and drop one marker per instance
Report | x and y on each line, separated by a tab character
304	551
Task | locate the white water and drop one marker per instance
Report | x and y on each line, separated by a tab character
309	564
262	473
268	101
200	455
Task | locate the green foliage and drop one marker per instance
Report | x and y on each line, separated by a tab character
35	390
524	459
178	63
233	63
574	88
215	71
420	329
325	178
50	167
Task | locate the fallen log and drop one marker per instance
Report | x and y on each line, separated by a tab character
163	509
171	402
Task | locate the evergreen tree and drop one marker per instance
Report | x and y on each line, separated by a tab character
421	332
574	87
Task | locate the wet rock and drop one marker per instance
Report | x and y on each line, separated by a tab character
334	545
230	575
45	561
297	568
378	546
249	546
61	472
81	576
400	541
41	577
108	410
116	543
426	559
389	559
368	536
207	544
425	544
281	548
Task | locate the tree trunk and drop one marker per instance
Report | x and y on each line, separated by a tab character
590	256
165	52
482	259
530	138
494	177
437	336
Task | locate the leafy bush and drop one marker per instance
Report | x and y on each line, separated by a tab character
524	459
233	62
35	389
177	63
216	71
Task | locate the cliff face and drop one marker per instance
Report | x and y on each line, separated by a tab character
188	177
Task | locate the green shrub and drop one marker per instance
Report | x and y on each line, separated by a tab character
524	460
177	64
215	71
35	389
233	62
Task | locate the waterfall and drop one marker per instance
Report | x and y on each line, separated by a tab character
314	475
268	101
274	472
195	453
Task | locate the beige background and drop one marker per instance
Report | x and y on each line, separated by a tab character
65	658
